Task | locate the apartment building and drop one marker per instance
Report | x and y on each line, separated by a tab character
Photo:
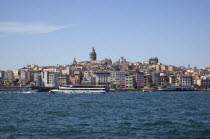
118	78
185	80
103	78
49	79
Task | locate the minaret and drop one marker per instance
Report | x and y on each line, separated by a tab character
74	61
93	55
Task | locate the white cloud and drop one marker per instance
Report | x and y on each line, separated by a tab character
29	28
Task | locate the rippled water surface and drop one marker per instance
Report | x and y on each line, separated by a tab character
111	115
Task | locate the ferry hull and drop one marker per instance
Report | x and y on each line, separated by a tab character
79	89
76	92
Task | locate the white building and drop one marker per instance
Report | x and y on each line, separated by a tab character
103	78
185	80
118	78
9	75
49	79
129	82
23	75
173	80
16	73
38	80
203	82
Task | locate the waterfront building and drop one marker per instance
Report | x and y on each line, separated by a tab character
118	78
129	82
140	80
185	80
148	80
173	80
49	79
9	77
38	80
103	78
63	79
32	74
203	82
92	55
155	78
76	77
163	80
16	73
23	75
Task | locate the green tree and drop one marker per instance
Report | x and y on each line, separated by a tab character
167	84
152	84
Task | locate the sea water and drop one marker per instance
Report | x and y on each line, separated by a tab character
111	115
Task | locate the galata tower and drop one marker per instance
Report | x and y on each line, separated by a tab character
93	55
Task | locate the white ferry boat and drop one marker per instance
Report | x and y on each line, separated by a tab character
176	88
87	89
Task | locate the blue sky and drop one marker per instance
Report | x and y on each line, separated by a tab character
49	32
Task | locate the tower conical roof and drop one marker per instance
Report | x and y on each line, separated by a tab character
93	50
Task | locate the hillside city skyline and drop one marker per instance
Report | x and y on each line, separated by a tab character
120	75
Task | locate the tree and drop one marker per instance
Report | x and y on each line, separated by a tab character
167	84
152	84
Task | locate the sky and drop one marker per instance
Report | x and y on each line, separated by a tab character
50	32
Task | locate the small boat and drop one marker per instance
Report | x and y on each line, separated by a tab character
112	90
148	90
